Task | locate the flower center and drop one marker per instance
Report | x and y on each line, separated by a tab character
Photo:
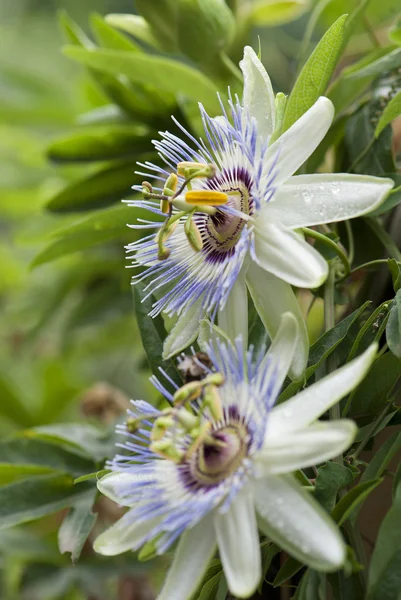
221	232
214	462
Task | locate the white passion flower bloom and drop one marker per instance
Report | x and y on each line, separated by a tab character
217	466
249	239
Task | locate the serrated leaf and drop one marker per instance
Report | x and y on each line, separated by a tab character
316	74
331	478
77	525
82	437
163	73
353	499
384	581
34	498
100	143
271	13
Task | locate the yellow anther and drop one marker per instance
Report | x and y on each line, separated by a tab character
186	168
167	449
165	206
188	392
193	235
160	427
171	184
214	379
213	401
205	197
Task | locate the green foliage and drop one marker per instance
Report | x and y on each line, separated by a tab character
316	73
71	134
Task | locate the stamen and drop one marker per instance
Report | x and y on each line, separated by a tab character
207	197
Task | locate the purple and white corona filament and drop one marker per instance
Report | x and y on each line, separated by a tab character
217	466
209	255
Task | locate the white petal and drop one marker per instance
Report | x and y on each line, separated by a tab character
286	254
276	364
126	534
273	297
307	200
311	403
233	318
258	97
193	554
300	140
116	485
310	446
184	331
238	541
297	523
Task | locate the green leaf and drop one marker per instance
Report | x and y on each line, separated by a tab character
395	271
288	570
209	590
34	498
271	13
77	525
353	499
382	458
384	580
24	450
87	439
388	62
316	74
134	25
393	329
311	586
100	189
373	392
73	32
391	112
100	143
10	472
371	330
213	569
108	37
393	199
152	334
163	73
322	348
98	228
366	153
11	407
331	478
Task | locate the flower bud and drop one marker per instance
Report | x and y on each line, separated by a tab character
205	28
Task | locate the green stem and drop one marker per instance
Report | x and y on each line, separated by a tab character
311	233
351	245
329	323
384	237
371	263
